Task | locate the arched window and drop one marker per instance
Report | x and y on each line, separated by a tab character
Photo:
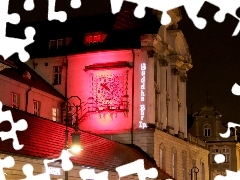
174	163
184	164
206	130
162	155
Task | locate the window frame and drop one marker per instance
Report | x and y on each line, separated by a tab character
52	44
227	160
57	75
174	163
162	161
15	100
202	165
184	164
206	130
59	45
214	153
55	115
36	111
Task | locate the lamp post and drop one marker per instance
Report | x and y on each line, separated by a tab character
75	147
193	173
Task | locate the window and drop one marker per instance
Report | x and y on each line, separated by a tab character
55	114
52	44
15	99
207	130
59	43
174	164
202	170
94	38
225	152
214	151
184	164
36	107
162	154
57	75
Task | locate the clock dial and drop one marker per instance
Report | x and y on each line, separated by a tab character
108	90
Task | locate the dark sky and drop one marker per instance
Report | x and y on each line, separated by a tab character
215	53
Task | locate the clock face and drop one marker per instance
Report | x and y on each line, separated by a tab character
109	89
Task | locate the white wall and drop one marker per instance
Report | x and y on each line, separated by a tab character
46	72
48	101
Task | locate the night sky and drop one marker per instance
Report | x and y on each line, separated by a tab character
215	53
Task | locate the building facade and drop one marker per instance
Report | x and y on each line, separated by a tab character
23	89
132	93
207	126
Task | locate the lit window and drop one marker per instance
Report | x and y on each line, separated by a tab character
207	130
225	152
36	107
55	113
52	44
94	38
15	99
214	152
57	75
59	43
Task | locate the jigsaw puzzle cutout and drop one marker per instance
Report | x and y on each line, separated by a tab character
66	165
90	174
7	162
220	158
20	125
138	168
9	45
192	8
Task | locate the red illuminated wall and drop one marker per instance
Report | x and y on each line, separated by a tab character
107	86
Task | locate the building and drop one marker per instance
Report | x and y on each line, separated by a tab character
23	89
131	75
45	136
45	139
206	126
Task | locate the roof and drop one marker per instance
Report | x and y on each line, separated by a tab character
45	139
123	31
36	81
206	110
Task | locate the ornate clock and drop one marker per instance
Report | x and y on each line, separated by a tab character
109	85
109	90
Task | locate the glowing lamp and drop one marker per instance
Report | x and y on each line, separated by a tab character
76	146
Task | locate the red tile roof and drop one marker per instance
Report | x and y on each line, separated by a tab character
45	139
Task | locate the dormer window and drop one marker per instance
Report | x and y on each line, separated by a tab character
207	130
59	43
94	38
56	44
52	44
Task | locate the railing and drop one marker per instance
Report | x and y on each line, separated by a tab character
196	140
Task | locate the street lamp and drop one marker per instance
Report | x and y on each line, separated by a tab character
193	173
76	146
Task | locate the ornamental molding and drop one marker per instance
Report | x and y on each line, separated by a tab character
162	60
147	39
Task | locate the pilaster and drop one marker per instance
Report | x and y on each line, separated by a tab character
150	87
